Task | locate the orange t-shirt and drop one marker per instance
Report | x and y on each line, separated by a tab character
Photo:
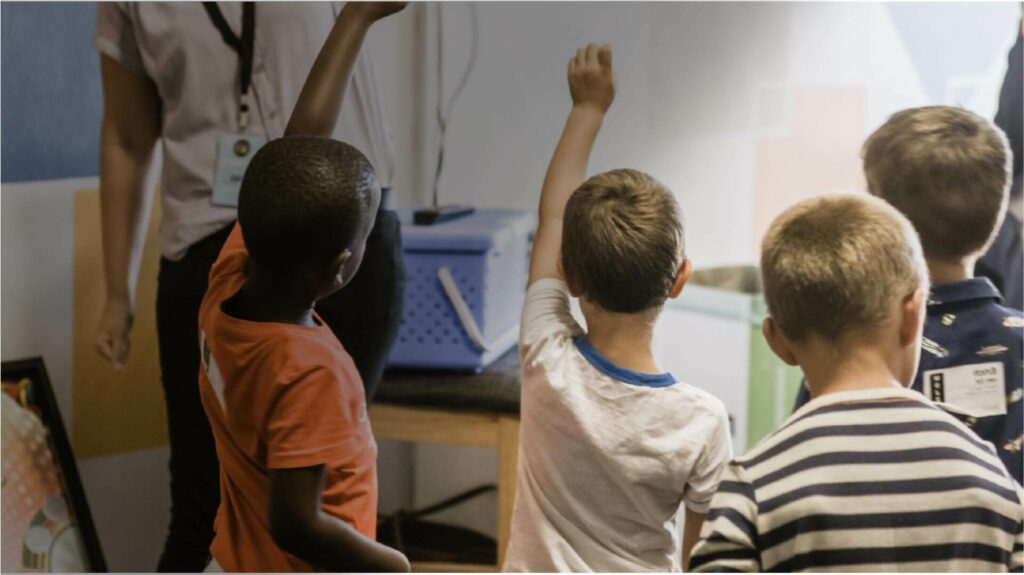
278	396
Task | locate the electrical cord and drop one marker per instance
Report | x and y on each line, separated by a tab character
444	111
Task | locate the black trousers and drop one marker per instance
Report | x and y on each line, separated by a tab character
364	315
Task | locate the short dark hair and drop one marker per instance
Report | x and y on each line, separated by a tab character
622	241
303	199
948	170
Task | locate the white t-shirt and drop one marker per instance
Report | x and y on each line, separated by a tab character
177	47
608	456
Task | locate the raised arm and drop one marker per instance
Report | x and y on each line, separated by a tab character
131	126
592	86
316	111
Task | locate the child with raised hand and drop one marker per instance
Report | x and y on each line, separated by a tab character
869	475
285	402
614	451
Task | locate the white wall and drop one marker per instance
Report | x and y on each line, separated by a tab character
700	85
393	48
36	291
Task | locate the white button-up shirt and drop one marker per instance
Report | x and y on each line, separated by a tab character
196	74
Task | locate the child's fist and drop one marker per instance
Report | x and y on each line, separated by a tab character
591	79
374	11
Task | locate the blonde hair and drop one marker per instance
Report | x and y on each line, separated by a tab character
836	264
948	170
622	241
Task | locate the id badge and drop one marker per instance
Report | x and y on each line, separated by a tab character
978	390
233	154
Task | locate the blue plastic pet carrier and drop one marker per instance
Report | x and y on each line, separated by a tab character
464	286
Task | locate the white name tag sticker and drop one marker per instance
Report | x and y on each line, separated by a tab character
979	390
234	151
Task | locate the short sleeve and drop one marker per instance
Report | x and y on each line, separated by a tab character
704	478
1017	553
310	423
546	317
728	540
235	244
115	36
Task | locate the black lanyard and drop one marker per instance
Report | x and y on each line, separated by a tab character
243	46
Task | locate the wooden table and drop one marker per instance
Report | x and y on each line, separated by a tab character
434	425
468	409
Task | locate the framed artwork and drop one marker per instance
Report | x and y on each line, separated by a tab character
47	526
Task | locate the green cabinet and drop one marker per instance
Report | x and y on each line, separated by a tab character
726	303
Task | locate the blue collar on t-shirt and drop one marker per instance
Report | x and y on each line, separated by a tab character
605	366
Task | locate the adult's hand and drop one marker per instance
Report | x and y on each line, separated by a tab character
113	335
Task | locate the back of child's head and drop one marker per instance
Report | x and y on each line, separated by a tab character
948	170
304	200
836	266
622	241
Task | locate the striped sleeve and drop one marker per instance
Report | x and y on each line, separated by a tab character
1017	555
729	538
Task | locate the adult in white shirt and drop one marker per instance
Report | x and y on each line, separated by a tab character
172	76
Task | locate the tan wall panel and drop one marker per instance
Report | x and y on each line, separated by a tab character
819	153
113	412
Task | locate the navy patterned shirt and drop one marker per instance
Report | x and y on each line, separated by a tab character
967	326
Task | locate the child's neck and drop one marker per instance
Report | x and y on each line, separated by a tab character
948	272
830	370
623	339
265	298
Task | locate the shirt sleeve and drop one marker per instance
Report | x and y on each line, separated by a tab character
310	423
715	456
546	318
1017	554
727	540
115	36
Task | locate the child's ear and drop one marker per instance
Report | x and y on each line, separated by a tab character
561	274
911	317
682	276
337	265
777	341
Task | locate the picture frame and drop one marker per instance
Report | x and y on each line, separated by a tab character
39	397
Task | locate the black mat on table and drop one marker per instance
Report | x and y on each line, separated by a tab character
496	388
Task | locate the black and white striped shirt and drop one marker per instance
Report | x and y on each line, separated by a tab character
874	480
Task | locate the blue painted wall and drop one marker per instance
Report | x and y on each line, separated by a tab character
51	99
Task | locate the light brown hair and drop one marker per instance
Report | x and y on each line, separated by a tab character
622	241
948	170
837	264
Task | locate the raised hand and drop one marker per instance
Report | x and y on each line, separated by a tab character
592	85
591	78
316	111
